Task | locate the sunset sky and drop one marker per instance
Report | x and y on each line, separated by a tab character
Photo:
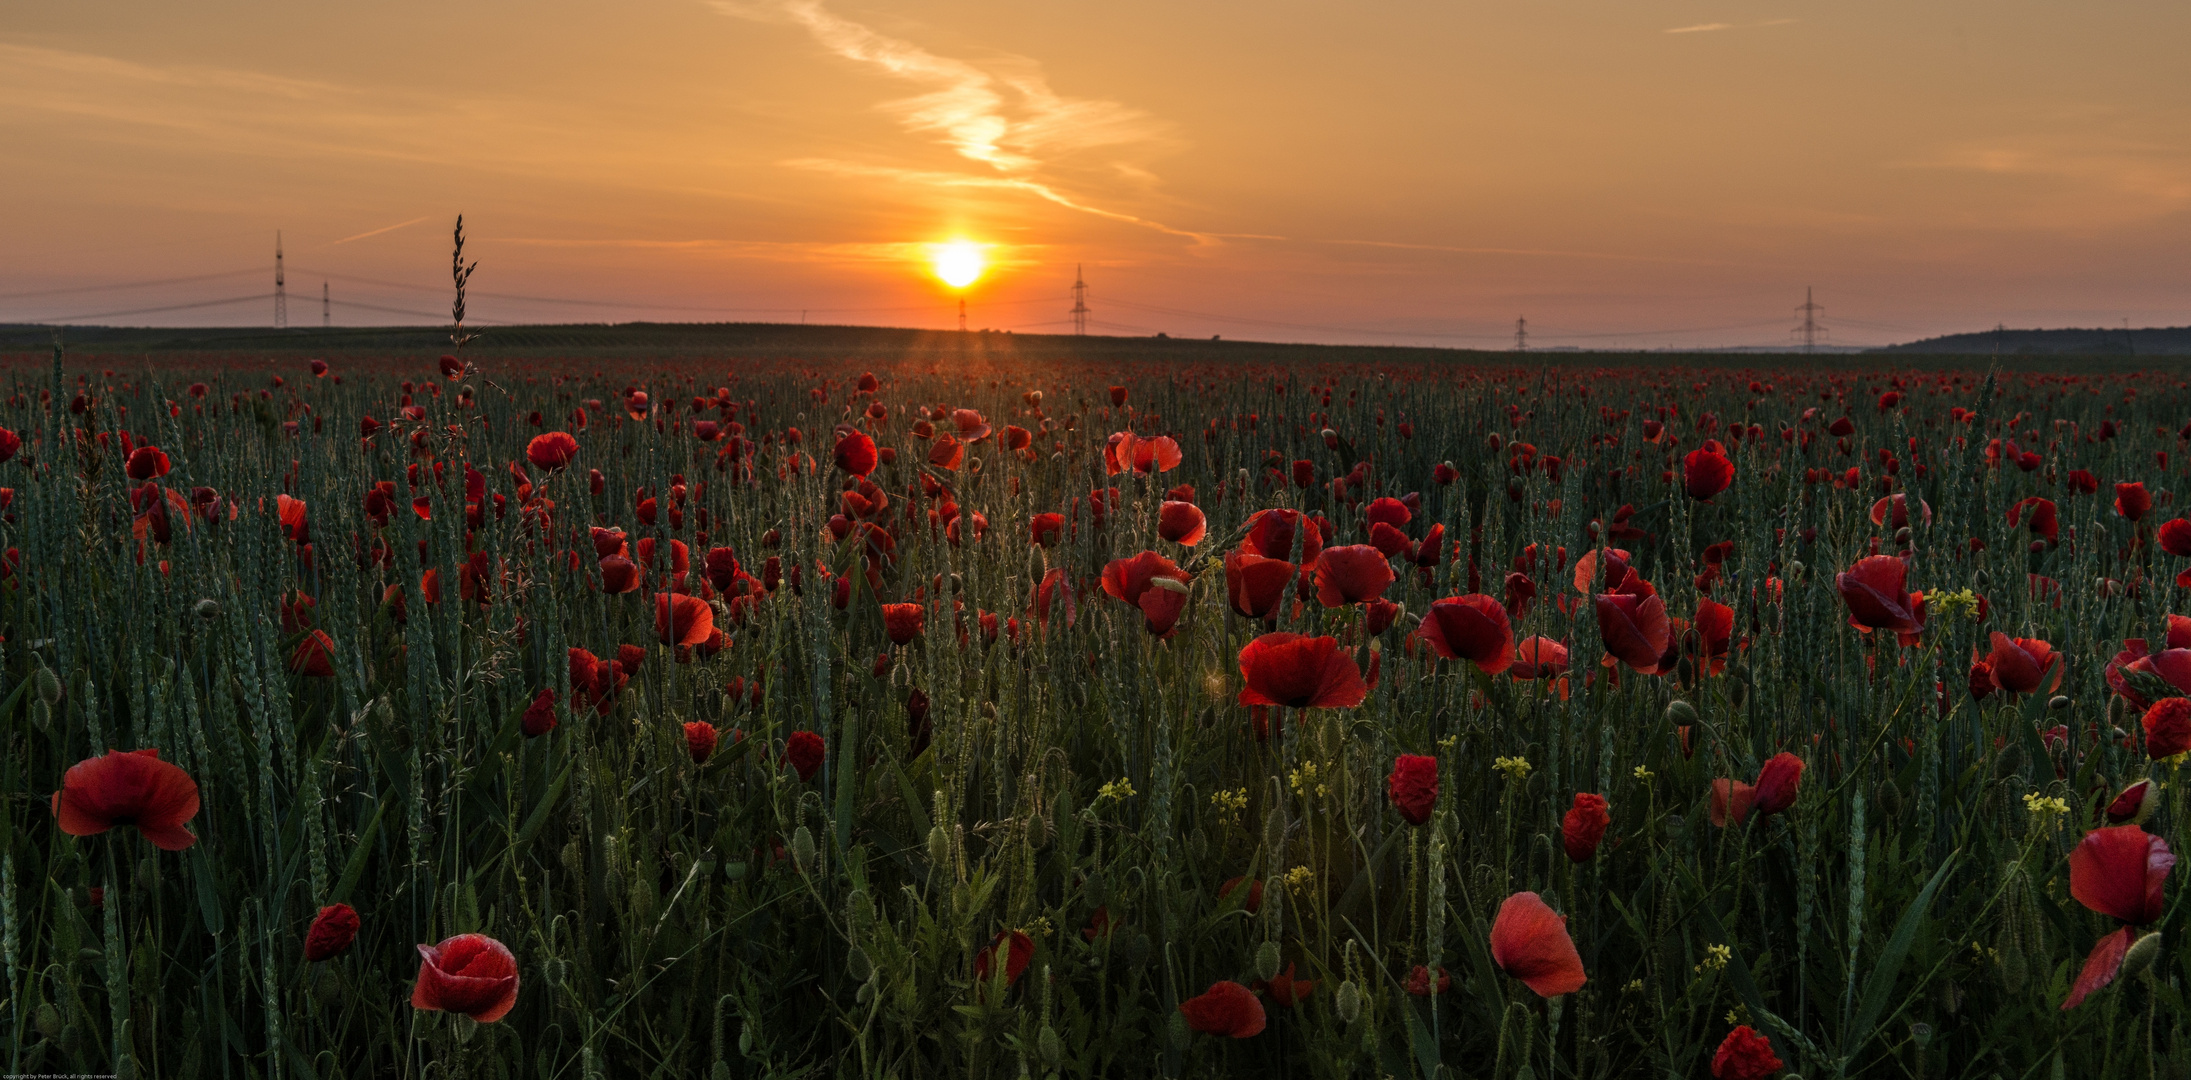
1378	171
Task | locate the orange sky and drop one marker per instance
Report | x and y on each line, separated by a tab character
1621	173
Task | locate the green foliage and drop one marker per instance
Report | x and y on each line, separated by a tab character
1072	778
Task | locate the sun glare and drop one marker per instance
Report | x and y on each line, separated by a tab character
959	263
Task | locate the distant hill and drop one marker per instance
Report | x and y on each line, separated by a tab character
2154	341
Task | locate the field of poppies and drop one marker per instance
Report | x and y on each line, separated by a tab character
370	716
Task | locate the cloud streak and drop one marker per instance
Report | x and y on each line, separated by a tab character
378	231
1004	116
1711	27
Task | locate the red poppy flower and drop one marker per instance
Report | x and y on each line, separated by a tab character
1745	1055
855	453
2175	536
2019	665
1872	590
1539	658
1472	627
619	575
1351	574
553	450
2101	965
1529	941
1714	633
1020	952
1898	506
1413	786
1300	671
1584	826
682	619
1161	605
1731	801
1777	781
451	368
471	974
539	718
2119	872
2133	805
1617	574
1181	523
1286	990
700	738
1127	579
315	656
1118	396
147	463
2132	501
2043	521
332	931
1226	1008
902	622
1634	629
2168	728
1251	903
1706	472
1271	535
131	787
969	425
804	750
1255	585
1047	529
1418	982
10	443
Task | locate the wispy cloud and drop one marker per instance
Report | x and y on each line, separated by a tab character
1003	115
378	231
1706	28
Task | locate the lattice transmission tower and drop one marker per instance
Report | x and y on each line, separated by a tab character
1080	303
1809	329
281	290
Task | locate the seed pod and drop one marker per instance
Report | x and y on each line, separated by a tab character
1349	1001
209	609
1266	961
1137	949
47	684
2143	952
1681	712
802	849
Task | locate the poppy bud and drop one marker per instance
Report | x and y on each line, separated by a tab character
802	849
939	846
1349	1001
48	685
1266	961
1681	712
2141	956
209	609
857	965
2009	763
2058	702
1047	1045
48	1021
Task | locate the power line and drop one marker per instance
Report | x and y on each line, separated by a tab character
119	286
154	310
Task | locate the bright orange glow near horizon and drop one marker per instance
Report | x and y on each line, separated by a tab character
959	263
1668	172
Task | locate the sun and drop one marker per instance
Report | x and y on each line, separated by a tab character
959	263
